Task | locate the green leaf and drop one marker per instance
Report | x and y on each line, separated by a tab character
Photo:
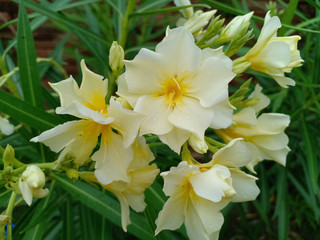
104	204
61	19
26	113
28	67
288	15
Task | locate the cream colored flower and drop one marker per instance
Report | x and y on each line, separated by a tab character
5	126
198	192
274	55
180	88
31	183
80	137
263	134
141	175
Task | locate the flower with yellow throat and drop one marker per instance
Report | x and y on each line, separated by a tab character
117	126
274	55
180	88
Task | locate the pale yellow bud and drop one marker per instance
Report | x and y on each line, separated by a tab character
116	56
197	144
31	183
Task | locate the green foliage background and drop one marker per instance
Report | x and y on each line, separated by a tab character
288	206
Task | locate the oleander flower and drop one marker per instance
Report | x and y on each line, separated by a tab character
141	175
198	192
274	55
31	184
5	126
264	134
180	88
117	126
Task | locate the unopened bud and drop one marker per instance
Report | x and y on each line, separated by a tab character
186	12
238	25
72	174
197	144
240	66
8	156
198	20
6	127
116	56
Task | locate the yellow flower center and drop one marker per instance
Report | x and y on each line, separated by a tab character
173	90
97	103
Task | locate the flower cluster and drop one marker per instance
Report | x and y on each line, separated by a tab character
177	93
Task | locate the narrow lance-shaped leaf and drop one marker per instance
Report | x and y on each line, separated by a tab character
28	67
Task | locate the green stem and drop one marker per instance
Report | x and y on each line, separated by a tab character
125	23
9	214
10	83
112	84
214	142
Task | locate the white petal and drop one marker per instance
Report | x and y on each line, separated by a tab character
246	117
245	186
173	212
267	32
175	138
136	201
181	54
125	121
25	191
156	112
6	127
283	81
191	116
222	115
273	142
59	136
40	193
112	159
213	77
273	122
142	178
211	184
125	211
209	213
264	101
145	72
175	178
68	91
87	113
124	92
235	154
92	84
276	155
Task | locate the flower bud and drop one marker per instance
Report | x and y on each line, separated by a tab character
199	145
186	12
8	156
31	183
237	25
6	127
198	21
116	56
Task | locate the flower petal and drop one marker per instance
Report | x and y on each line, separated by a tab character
25	191
235	154
222	115
175	138
87	113
179	51
125	211
112	159
144	73
173	212
191	116
156	112
245	186
60	136
125	121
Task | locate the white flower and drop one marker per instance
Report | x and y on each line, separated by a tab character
274	55
263	134
6	127
80	137
31	183
198	192
180	88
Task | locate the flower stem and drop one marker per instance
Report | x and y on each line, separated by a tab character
9	214
125	23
